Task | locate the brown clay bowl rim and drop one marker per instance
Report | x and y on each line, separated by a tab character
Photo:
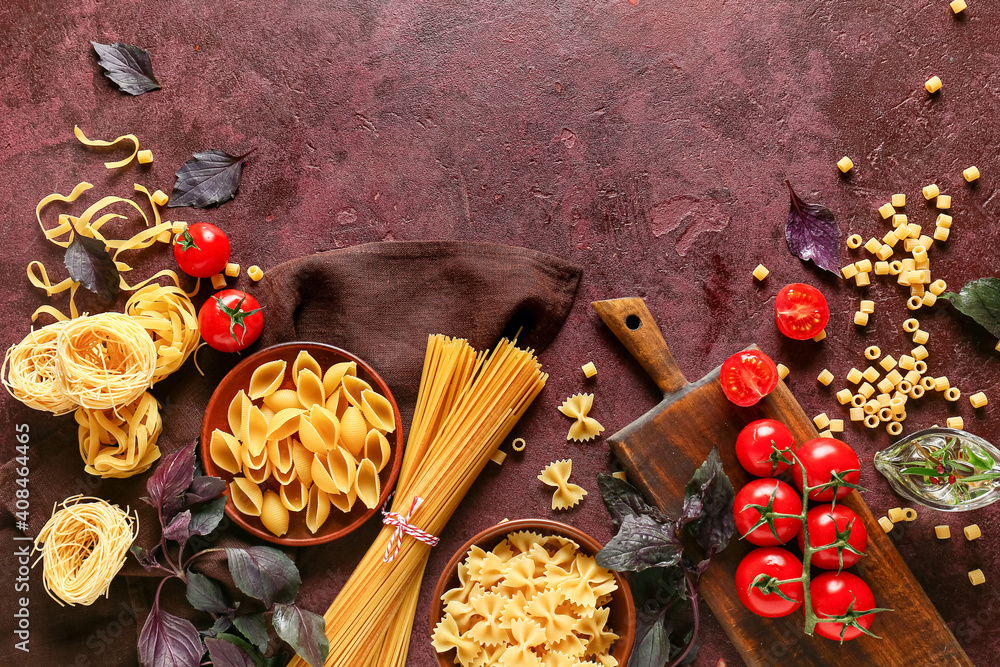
210	467
626	635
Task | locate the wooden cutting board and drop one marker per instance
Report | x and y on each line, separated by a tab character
660	452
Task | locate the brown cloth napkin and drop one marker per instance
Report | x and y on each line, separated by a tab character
380	301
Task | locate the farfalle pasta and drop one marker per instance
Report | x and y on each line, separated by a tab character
299	442
532	601
566	495
584	428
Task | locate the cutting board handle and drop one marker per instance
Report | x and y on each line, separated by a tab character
630	320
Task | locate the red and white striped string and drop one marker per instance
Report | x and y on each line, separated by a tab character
403	526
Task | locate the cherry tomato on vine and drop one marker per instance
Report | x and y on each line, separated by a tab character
753	447
800	311
822	457
773	562
824	522
202	250
833	593
231	320
748	376
759	492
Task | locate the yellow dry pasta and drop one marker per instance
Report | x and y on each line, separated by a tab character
273	514
29	371
83	545
566	495
120	443
266	379
107	144
584	428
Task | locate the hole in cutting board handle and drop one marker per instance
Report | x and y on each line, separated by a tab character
633	322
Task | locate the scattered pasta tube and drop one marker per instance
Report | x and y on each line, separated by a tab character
499	457
232	270
894	428
871	421
821	420
836	425
885	252
845	164
782	371
943	202
917	391
920	366
886	523
976	577
146	156
958	6
898	200
620	474
972	532
255	273
518	444
858	401
826	433
863	279
861	319
854	376
937	287
218	281
884	414
941	383
899	224
933	84
909	514
844	396
881	268
825	378
956	423
160	198
904	387
914	302
895	268
872	352
871	407
898	405
941	234
867	306
919	353
906	362
760	272
854	241
978	400
885	385
873	245
895	514
931	191
871	374
863	266
589	369
942	532
866	390
929	300
943	220
883	399
849	271
887	362
920	337
894	377
919	253
820	336
857	414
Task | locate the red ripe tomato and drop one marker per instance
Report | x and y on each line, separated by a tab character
821	458
758	492
754	447
230	320
777	563
801	311
824	522
832	593
748	376
202	250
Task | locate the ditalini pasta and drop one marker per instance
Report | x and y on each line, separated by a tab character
532	600
584	428
286	438
566	495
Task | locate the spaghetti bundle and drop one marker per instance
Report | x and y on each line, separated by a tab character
104	361
83	546
466	406
29	372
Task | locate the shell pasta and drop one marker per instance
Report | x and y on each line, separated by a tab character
303	440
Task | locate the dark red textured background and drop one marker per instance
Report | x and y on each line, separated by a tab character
647	142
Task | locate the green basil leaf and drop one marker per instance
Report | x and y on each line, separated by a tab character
980	300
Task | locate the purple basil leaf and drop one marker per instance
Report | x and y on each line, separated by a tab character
304	630
178	528
206	518
169	641
653	648
708	505
129	67
225	653
221	624
205	594
254	628
980	300
641	542
145	558
812	233
622	499
207	179
170	479
204	487
89	263
264	573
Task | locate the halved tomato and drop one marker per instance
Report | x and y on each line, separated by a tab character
748	376
801	311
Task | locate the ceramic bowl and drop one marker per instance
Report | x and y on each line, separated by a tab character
338	524
622	616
